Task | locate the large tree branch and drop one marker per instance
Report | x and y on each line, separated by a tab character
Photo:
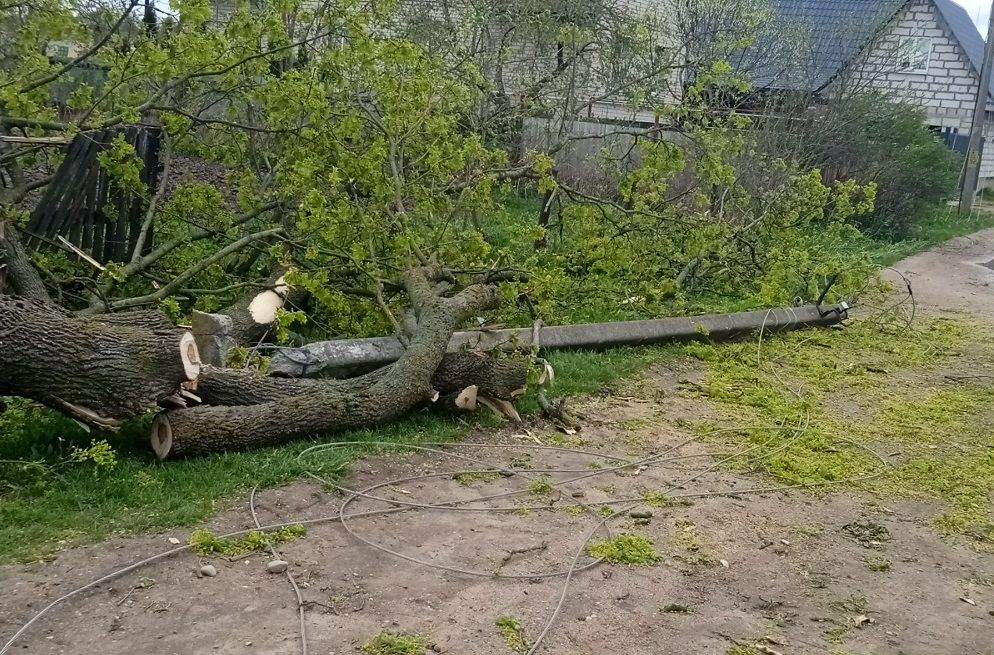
183	277
350	404
13	121
16	269
166	88
100	373
200	120
145	262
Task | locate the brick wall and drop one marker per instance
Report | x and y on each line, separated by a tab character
946	90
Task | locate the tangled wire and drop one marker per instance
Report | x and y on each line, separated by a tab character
576	566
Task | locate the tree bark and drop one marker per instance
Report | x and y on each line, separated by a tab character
149	319
348	404
17	273
98	372
503	378
245	323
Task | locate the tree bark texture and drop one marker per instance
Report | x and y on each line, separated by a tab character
17	273
333	407
245	323
98	372
503	377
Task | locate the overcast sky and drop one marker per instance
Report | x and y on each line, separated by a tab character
979	11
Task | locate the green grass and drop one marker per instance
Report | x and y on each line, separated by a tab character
43	510
939	428
630	549
205	542
742	649
387	643
49	502
540	486
512	633
936	225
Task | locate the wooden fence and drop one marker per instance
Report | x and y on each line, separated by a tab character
83	205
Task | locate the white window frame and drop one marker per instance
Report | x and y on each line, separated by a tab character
913	49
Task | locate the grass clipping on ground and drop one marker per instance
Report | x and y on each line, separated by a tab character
387	643
814	405
630	549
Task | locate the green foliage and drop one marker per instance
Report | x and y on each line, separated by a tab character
100	453
913	169
244	358
387	643
122	165
875	138
631	549
204	542
284	320
540	487
786	399
512	632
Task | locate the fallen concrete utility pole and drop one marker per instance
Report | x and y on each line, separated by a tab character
348	357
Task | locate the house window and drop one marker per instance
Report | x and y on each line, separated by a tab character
915	53
58	51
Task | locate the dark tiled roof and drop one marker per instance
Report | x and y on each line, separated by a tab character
833	31
965	31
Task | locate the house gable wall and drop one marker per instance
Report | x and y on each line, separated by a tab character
946	91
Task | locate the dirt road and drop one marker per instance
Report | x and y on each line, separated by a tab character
740	571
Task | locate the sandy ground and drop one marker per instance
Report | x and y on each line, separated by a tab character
779	570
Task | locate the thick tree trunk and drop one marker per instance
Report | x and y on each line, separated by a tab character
333	407
503	378
245	323
149	319
99	372
17	274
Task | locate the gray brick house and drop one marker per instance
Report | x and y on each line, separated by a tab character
925	52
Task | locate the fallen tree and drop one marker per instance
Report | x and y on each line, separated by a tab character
500	378
344	404
100	372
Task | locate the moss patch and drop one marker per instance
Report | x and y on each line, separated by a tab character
631	549
814	404
387	643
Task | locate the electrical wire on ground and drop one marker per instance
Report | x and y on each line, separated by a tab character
397	506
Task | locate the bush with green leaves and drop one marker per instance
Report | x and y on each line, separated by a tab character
869	137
